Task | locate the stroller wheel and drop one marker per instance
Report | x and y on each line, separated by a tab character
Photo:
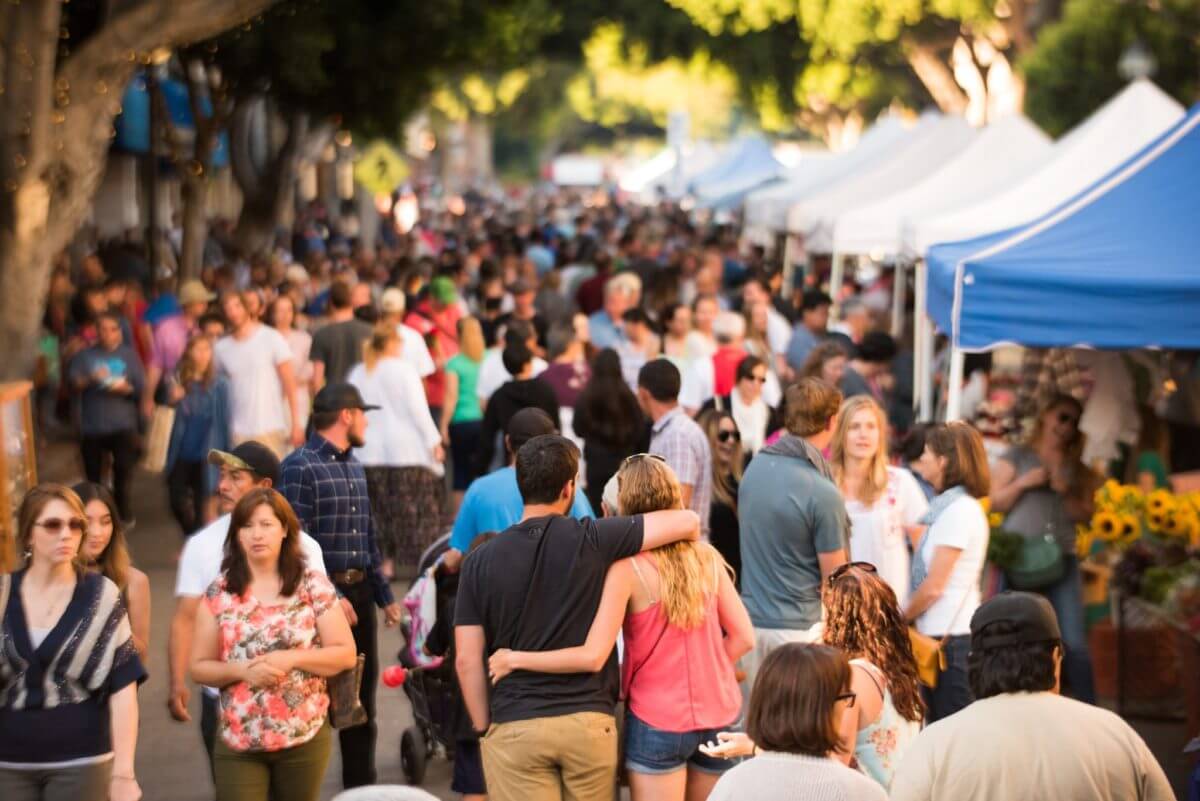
413	754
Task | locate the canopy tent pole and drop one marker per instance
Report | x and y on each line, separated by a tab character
899	298
919	341
789	266
928	335
954	390
836	276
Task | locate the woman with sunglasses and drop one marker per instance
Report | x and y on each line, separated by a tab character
1044	488
728	462
684	627
863	619
745	403
800	699
68	666
884	502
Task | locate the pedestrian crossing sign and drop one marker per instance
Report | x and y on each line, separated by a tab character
379	168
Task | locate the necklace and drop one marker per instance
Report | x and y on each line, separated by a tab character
45	616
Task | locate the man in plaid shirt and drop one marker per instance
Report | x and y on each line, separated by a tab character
327	488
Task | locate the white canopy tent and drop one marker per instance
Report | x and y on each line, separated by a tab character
1009	148
766	209
1120	127
658	173
937	139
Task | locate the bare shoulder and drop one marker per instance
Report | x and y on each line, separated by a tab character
139	582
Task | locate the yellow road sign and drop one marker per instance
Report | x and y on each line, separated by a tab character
380	168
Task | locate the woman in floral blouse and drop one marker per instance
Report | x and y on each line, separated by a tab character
268	633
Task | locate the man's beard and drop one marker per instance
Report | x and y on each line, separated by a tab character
355	440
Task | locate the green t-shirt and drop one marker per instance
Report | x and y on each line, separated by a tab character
466	410
1151	462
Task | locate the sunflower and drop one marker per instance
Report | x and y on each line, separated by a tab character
1106	526
1116	493
995	519
1176	525
1131	527
1083	542
985	503
1160	500
1157	521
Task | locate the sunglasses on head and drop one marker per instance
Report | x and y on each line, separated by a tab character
637	456
844	568
55	525
725	435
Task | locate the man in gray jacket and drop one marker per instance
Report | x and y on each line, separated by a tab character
794	526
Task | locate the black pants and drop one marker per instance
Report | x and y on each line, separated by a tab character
123	446
185	489
358	742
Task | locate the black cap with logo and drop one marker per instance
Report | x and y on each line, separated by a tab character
251	456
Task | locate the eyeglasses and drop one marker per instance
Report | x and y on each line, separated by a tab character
849	698
726	435
55	525
630	459
844	568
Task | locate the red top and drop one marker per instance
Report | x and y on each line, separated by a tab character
725	365
443	325
678	679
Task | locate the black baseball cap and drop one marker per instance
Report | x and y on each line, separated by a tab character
251	456
1032	616
526	424
335	397
814	299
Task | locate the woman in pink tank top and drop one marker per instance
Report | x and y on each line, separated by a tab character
684	628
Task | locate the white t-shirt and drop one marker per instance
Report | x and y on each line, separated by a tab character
964	526
401	432
779	332
256	394
415	351
877	531
200	562
493	375
1026	746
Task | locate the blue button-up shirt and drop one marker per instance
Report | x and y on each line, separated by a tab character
327	488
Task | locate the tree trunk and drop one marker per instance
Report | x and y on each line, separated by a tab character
937	77
267	179
55	130
195	226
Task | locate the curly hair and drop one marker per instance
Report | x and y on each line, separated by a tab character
863	618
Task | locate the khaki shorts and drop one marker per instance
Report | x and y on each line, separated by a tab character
564	758
766	641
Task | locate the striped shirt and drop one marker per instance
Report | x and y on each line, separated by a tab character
327	489
54	697
678	439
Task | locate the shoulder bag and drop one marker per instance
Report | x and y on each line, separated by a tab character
1039	564
929	653
345	705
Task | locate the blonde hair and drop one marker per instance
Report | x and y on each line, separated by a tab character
470	339
877	477
382	336
685	569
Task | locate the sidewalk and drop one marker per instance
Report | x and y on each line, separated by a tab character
171	764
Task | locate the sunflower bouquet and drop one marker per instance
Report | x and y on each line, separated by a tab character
1125	515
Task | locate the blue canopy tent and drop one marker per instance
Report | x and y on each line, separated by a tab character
1116	266
133	123
749	165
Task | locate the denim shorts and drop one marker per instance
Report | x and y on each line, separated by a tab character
651	750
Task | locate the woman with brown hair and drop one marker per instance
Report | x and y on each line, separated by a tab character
268	634
728	462
202	423
884	502
1045	490
104	550
827	361
403	452
68	669
684	628
801	697
948	561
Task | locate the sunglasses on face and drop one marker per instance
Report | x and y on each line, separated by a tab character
843	569
724	435
637	456
55	525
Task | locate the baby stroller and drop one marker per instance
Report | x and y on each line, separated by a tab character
432	691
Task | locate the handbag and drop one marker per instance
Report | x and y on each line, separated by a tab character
927	651
1038	565
345	707
158	439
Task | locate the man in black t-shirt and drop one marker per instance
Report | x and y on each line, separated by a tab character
537	587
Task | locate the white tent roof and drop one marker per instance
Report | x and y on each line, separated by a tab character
1008	148
938	139
1115	131
767	208
658	172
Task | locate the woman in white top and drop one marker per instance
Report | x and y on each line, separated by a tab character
403	451
281	315
884	502
948	561
746	405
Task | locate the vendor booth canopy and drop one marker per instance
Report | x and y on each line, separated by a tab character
937	139
748	164
132	125
658	174
1117	266
1115	131
766	208
1004	151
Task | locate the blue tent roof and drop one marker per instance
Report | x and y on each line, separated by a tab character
1116	266
748	165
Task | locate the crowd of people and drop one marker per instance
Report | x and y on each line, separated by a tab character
643	444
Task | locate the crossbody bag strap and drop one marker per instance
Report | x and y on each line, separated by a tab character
5	588
957	612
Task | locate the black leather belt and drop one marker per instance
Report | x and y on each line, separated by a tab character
352	576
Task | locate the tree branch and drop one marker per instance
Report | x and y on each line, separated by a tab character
936	76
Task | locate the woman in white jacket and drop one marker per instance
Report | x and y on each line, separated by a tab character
403	452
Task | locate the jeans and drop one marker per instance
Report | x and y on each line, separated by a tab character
1066	596
655	751
357	743
953	692
123	446
185	490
